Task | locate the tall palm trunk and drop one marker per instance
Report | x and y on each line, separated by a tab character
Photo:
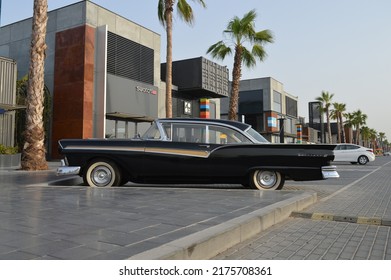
328	126
339	129
168	11
343	136
34	152
358	136
236	74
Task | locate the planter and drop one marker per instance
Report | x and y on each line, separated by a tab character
10	161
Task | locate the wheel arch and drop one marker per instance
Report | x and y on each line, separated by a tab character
103	158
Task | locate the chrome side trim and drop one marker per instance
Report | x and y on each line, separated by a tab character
179	152
329	172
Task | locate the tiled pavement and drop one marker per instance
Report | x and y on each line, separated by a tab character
64	220
352	224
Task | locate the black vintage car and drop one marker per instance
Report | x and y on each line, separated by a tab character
195	151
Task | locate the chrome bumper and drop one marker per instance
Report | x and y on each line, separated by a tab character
329	172
67	170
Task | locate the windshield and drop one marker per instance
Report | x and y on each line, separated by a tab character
258	137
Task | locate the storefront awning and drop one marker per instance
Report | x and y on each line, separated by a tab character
118	116
10	107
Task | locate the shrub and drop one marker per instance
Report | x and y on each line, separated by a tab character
6	150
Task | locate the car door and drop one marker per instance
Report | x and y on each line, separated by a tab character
340	153
182	157
351	153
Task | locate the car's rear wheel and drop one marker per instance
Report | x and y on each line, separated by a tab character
362	160
102	173
266	180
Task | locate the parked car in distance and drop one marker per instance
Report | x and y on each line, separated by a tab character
387	153
353	153
195	151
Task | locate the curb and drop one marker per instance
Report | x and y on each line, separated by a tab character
347	219
210	242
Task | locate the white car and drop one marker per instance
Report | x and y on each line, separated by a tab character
353	154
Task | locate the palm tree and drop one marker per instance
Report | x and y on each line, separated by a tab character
34	152
334	116
373	137
366	135
382	137
359	119
165	9
20	115
349	119
325	100
338	113
241	31
386	145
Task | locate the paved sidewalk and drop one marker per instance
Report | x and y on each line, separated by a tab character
352	224
43	218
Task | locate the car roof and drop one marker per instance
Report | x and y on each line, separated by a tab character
239	125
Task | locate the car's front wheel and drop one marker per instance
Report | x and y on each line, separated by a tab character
102	173
362	160
266	180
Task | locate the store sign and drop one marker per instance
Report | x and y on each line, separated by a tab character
187	107
146	90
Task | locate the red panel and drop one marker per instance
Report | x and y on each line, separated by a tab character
73	85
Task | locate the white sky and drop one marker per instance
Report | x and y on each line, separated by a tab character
340	46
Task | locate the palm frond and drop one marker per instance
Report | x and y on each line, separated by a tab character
160	12
247	58
185	11
259	52
219	50
264	36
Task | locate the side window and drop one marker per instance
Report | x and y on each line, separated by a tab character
223	135
167	130
352	147
152	133
188	133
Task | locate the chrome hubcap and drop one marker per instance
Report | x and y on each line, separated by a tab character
267	178
101	176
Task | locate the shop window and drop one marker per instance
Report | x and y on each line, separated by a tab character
291	106
277	104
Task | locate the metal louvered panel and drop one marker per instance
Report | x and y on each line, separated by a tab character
129	59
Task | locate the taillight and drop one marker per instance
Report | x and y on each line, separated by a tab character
371	151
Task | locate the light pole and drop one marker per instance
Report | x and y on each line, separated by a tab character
282	135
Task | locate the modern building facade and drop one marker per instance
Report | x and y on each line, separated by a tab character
99	66
104	74
265	105
8	72
200	83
